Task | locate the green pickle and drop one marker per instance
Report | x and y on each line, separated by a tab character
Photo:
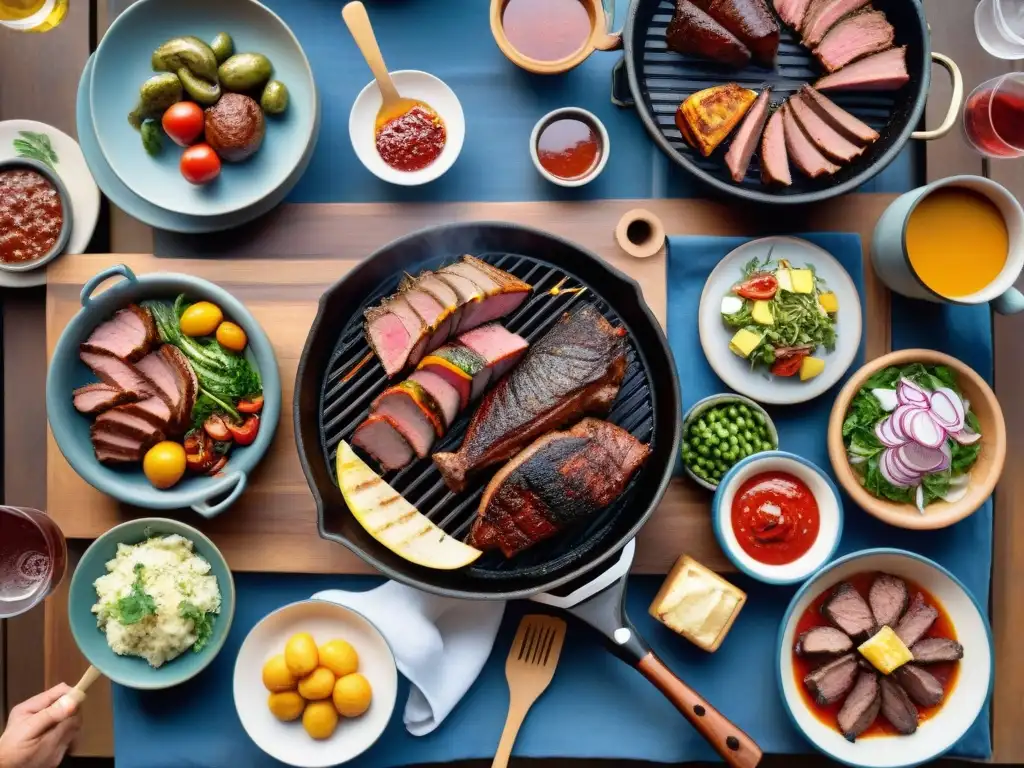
274	100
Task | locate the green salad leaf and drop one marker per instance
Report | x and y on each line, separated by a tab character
36	146
202	622
137	605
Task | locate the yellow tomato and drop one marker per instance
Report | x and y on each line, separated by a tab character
276	676
318	684
352	695
339	657
231	337
319	719
286	705
300	654
164	464
201	319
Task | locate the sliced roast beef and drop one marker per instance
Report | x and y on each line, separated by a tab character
935	650
471	299
774	158
747	136
822	15
379	437
118	447
164	378
188	385
444	394
823	641
497	293
831	682
828	141
693	32
156	411
848	611
443	294
849	126
897	707
413	413
802	151
916	621
888	598
107	454
861	707
465	370
499	347
885	71
388	338
414	325
94	398
854	38
750	21
920	684
793	12
122	422
436	318
117	373
129	334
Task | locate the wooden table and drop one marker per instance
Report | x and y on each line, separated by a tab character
38	80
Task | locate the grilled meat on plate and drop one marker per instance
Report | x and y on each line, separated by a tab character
774	158
827	139
692	31
848	126
885	71
861	707
737	158
854	38
750	21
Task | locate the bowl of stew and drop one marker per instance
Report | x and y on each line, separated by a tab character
35	215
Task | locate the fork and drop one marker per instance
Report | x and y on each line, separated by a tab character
529	668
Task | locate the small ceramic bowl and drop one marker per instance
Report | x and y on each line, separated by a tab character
209	496
132	671
984	475
698	409
830	511
24	163
963	703
411	84
578	114
289	742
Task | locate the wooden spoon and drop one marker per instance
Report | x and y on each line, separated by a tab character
393	105
77	694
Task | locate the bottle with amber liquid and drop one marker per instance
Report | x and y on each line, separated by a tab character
32	15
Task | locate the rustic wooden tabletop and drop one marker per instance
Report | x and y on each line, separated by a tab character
38	80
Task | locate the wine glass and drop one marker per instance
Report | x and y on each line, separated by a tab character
994	117
33	558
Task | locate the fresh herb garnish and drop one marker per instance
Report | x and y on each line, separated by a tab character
202	622
36	146
137	605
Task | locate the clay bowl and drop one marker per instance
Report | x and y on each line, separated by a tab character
984	474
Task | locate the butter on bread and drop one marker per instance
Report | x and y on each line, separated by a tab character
697	603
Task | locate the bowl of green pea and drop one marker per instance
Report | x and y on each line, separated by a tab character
721	430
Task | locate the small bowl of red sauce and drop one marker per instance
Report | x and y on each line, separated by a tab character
778	517
569	146
35	215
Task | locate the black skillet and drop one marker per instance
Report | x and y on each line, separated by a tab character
334	387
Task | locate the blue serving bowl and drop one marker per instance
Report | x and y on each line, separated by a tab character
132	671
209	496
122	63
830	511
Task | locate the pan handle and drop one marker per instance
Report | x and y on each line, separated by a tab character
954	101
621	96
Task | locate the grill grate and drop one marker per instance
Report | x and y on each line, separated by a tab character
346	397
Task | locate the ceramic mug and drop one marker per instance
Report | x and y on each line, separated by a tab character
892	263
600	39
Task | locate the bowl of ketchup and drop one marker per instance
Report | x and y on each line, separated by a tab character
569	146
778	517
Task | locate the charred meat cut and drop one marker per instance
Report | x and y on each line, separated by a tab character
500	348
935	650
750	21
117	373
747	137
413	412
848	611
830	682
693	32
920	684
562	478
916	621
127	424
443	393
829	141
822	15
861	706
823	640
802	151
888	598
379	436
173	381
854	38
774	158
94	398
575	368
897	707
128	335
885	71
846	124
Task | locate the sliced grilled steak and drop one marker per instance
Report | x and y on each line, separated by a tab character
471	299
156	411
162	375
830	682
792	11
500	348
117	447
854	38
121	422
693	32
94	398
407	411
841	120
921	685
444	394
443	295
823	640
188	385
916	621
129	334
827	139
511	292
774	159
861	707
888	598
118	373
380	438
935	650
885	71
897	707
747	136
436	318
848	611
802	151
750	21
822	15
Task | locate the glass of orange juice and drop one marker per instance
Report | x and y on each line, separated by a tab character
32	15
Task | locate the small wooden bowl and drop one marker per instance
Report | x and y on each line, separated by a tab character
984	475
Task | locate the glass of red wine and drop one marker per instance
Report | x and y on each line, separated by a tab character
994	117
33	558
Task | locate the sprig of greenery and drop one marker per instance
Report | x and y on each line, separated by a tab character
137	605
202	623
36	146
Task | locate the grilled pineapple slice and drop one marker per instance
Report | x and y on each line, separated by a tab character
711	114
393	521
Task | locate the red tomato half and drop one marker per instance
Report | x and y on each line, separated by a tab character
183	122
217	428
788	365
200	164
759	287
252	404
245	433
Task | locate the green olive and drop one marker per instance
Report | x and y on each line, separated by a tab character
275	98
245	72
223	47
155	96
189	52
201	91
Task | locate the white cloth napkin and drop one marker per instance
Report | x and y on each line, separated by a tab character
440	643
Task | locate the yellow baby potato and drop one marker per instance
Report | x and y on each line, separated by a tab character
339	657
318	684
286	705
300	654
352	695
320	719
276	676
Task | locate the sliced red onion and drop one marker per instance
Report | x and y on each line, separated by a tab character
891	477
920	460
900	468
922	428
886	398
910	393
899	419
885	435
947	409
919	499
966	436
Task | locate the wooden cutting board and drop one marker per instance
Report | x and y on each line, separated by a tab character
280	279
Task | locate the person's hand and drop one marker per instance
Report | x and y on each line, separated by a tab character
40	730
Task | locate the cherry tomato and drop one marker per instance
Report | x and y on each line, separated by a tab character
245	433
200	164
217	428
788	365
231	336
250	404
199	453
761	286
183	122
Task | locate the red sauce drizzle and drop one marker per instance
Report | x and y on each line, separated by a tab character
568	148
31	215
412	141
775	517
546	30
947	673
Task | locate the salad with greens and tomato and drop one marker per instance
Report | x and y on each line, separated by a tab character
911	437
782	316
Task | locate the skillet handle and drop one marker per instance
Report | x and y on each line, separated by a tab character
955	100
621	97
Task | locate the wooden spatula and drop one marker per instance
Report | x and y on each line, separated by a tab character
530	666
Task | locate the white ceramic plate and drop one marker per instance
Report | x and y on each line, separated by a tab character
963	704
289	742
758	384
411	84
73	171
